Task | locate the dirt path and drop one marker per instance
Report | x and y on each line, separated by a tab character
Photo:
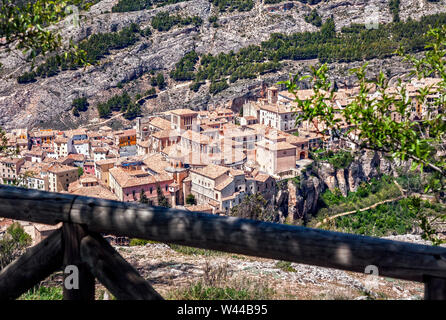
360	210
103	122
403	195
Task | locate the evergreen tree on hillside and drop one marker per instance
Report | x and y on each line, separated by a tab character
162	200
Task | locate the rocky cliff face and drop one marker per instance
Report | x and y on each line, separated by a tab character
48	100
302	200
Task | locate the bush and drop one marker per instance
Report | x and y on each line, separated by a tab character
163	21
133	5
158	80
314	18
190	199
184	69
79	104
232	5
285	266
217	87
122	103
195	86
150	92
14	241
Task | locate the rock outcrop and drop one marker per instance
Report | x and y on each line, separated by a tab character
304	197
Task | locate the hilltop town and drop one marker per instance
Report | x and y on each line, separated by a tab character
205	161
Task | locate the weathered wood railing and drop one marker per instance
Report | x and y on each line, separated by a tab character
79	243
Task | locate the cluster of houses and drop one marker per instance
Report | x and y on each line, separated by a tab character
217	156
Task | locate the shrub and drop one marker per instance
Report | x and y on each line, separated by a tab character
217	87
79	104
190	199
14	241
314	18
285	266
163	21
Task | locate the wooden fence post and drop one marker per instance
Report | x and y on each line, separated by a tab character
37	263
435	289
72	236
114	272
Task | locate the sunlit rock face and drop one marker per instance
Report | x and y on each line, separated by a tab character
302	200
46	101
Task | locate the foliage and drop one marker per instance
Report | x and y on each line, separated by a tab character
150	92
158	80
122	103
162	200
314	18
213	21
195	86
24	24
255	207
386	219
394	6
366	195
339	160
12	244
233	5
217	87
138	242
80	171
3	141
133	110
184	69
136	5
95	48
388	124
142	197
43	293
163	21
190	199
413	181
285	266
79	104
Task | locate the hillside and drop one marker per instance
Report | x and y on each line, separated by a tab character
202	27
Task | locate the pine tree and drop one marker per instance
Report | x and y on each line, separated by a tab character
162	200
142	197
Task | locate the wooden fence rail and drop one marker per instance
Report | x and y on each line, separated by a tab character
322	248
